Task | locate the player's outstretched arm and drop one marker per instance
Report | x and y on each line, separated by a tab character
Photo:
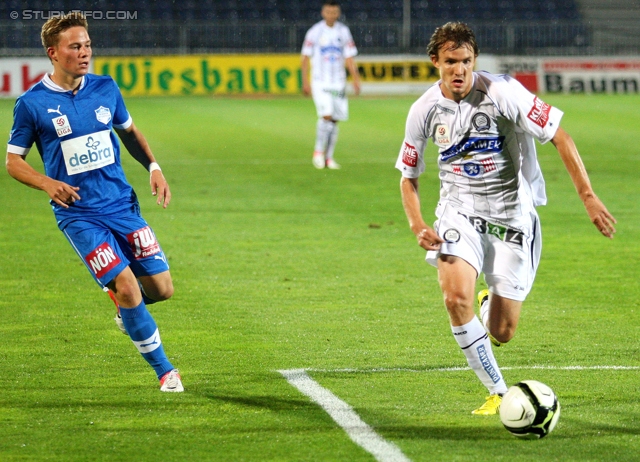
428	239
137	145
61	193
598	213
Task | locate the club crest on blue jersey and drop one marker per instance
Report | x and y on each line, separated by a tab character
103	114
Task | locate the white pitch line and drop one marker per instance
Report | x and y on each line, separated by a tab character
344	415
460	369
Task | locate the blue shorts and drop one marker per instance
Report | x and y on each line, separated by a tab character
107	244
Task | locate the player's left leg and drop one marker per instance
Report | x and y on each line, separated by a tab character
156	288
340	112
331	147
501	317
142	328
324	108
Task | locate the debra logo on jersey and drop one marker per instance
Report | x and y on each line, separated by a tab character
89	152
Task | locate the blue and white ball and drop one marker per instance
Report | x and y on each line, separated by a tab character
530	409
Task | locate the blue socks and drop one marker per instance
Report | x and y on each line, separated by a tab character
145	336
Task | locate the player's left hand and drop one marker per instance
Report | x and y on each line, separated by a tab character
160	188
600	216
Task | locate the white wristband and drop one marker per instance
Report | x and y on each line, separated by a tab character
154	166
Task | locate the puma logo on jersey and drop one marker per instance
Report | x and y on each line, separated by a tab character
54	110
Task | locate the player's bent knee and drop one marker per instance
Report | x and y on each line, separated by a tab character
505	334
165	293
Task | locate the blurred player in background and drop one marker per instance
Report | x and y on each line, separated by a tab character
329	46
484	126
69	115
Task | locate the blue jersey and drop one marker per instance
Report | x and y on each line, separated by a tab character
74	136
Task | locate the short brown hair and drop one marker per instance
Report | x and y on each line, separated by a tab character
56	25
457	32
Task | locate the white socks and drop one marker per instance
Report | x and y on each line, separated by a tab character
331	144
324	133
476	346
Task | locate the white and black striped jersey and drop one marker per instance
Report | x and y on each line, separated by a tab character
486	149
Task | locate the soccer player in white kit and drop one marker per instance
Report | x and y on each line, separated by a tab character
484	126
330	47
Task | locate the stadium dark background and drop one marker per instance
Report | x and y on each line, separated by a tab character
517	27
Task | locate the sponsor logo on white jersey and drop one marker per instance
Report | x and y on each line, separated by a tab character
103	114
62	125
409	155
539	113
89	152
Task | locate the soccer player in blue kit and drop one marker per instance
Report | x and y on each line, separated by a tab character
69	115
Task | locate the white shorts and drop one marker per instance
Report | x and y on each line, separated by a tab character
330	101
508	257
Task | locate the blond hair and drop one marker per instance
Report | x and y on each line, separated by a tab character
56	25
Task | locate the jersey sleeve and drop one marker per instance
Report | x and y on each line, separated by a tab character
309	42
411	157
23	131
121	118
350	49
530	113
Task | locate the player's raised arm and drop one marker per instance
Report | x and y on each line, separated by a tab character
61	193
598	213
137	145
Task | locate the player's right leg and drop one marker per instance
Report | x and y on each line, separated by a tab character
457	280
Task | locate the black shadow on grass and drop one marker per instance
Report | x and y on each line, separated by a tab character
264	402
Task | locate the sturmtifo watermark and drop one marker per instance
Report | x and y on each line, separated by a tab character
110	15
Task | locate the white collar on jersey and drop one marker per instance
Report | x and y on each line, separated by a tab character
51	85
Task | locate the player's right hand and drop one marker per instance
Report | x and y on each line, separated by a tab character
61	193
428	239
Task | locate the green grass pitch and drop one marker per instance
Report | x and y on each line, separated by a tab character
278	266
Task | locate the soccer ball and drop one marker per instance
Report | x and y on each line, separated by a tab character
530	409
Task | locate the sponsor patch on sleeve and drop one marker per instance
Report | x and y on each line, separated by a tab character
539	113
409	155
